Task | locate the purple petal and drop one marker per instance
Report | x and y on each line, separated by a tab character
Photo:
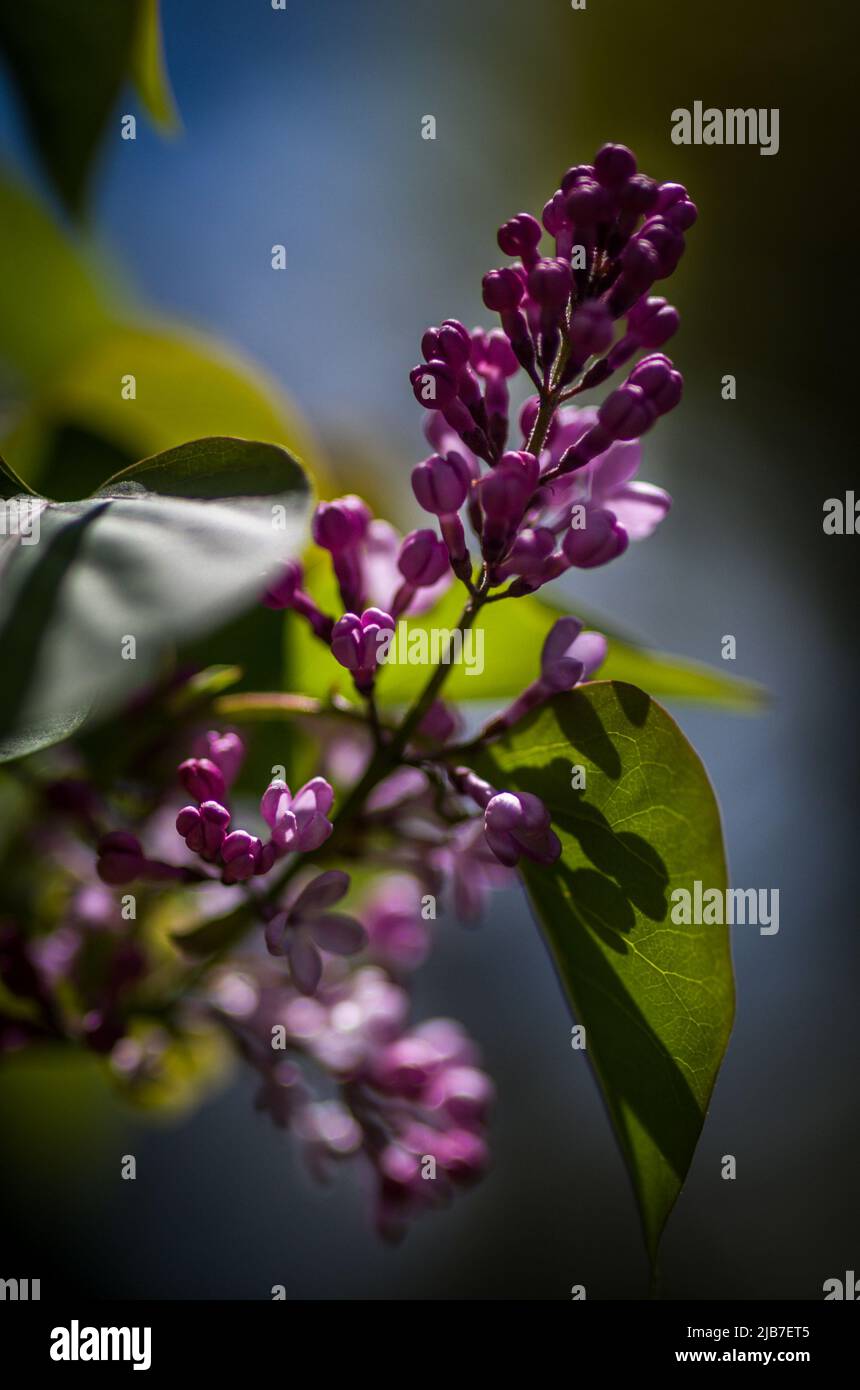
271	801
275	933
311	834
559	640
640	507
590	648
305	963
322	892
610	471
322	794
338	933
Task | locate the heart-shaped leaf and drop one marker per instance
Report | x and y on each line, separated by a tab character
656	999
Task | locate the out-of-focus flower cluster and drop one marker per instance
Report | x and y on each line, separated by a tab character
410	1103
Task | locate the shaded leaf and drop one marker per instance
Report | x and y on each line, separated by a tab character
69	62
656	999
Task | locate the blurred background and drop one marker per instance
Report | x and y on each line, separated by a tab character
303	127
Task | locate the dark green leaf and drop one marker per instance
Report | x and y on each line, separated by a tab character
656	999
69	62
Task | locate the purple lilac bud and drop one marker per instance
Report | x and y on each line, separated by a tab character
569	655
653	321
298	823
441	484
517	824
674	204
281	593
440	723
627	413
529	552
504	494
491	353
588	204
503	289
554	215
226	751
614	165
202	779
336	525
601	540
203	828
286	592
657	378
549	284
355	642
521	236
339	527
667	242
590	332
462	1094
579	173
120	858
423	558
240	853
434	384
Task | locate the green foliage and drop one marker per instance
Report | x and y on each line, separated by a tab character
69	63
71	423
165	550
656	999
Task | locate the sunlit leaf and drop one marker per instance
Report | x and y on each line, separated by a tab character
656	999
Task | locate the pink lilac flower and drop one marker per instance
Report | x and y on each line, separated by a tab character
306	928
298	822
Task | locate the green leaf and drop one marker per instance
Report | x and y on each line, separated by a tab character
67	384
69	62
53	284
149	69
166	550
213	470
11	485
186	387
656	999
513	634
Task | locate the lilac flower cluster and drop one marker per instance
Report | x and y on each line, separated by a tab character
297	823
323	986
566	497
